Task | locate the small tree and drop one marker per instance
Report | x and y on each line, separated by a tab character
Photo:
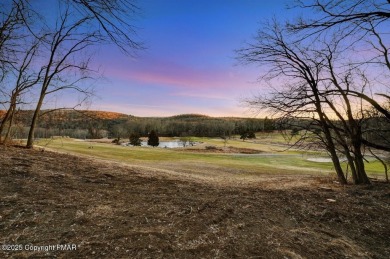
244	136
153	139
184	139
117	132
225	139
135	139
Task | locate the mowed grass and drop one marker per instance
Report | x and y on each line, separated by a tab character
270	162
268	142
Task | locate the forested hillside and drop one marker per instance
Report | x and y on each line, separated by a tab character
99	124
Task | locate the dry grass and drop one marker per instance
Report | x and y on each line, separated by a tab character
111	210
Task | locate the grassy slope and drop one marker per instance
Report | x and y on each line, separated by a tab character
271	161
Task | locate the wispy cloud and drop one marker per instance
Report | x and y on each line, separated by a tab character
172	74
202	95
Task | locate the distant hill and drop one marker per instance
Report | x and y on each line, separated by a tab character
98	124
64	114
104	115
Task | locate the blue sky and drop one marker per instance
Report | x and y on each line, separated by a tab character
188	65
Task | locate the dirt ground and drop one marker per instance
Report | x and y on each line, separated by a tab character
108	210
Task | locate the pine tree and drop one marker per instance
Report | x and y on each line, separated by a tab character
153	139
135	139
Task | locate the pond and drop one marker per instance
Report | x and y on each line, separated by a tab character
166	144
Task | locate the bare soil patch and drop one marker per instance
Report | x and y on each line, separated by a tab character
114	211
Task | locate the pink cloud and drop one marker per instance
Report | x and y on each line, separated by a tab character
173	109
172	74
203	95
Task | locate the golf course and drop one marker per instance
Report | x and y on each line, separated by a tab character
233	160
240	199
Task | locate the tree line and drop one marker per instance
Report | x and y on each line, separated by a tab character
94	125
190	125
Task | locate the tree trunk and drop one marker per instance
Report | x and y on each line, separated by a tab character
360	169
3	122
8	115
333	154
30	140
330	146
11	120
351	166
359	158
337	167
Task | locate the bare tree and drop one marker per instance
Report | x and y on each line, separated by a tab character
10	25
364	27
67	44
25	78
300	96
350	15
63	68
362	24
330	93
350	114
112	18
18	52
81	25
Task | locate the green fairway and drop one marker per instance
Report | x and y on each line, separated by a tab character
198	161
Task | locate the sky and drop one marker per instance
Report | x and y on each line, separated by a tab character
188	65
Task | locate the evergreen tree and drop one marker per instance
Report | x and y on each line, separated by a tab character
135	139
153	139
244	136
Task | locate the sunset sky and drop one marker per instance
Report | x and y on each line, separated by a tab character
188	65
